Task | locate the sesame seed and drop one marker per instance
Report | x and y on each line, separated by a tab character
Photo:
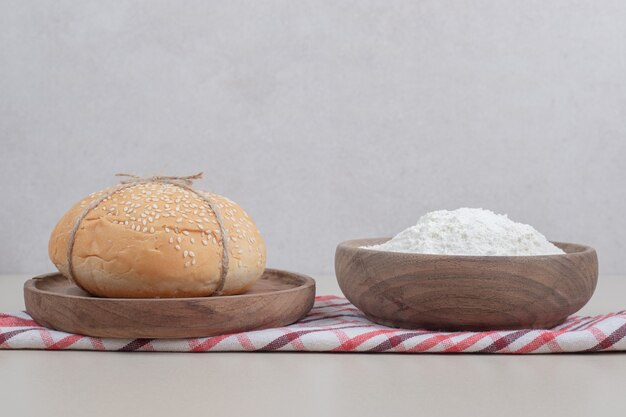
185	253
200	226
143	215
150	219
192	254
152	230
186	233
204	242
144	222
180	219
171	239
192	240
154	206
177	247
193	261
167	229
179	239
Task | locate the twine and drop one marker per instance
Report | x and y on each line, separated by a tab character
132	180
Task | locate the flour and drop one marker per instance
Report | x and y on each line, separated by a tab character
469	231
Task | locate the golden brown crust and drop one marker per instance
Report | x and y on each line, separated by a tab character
158	240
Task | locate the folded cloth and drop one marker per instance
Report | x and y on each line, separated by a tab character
335	325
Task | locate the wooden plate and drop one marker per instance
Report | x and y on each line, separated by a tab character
279	298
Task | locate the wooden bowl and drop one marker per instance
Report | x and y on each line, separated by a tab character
443	292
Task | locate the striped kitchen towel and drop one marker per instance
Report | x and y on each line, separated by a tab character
335	325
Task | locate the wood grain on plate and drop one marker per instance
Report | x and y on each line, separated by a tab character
466	292
278	298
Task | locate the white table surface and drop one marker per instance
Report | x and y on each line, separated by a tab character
36	383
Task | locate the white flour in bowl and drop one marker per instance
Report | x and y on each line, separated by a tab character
469	231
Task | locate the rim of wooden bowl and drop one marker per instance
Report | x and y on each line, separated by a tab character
357	245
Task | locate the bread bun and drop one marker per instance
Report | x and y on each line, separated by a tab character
157	239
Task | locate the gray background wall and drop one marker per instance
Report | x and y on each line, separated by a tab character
326	120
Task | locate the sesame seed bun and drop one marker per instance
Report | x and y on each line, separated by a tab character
158	240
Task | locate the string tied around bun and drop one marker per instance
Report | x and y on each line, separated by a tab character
182	182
